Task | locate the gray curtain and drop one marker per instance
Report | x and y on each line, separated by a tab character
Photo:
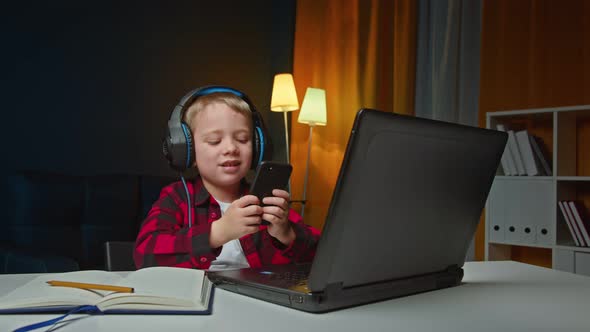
447	64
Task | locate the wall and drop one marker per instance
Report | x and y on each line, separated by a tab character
88	87
363	54
534	54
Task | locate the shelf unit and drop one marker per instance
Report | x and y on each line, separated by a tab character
522	211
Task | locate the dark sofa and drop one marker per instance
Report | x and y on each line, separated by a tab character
55	222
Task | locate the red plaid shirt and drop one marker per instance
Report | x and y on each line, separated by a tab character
166	240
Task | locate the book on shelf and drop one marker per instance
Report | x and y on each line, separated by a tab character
156	290
516	154
526	153
568	222
513	151
541	154
507	161
570	215
578	212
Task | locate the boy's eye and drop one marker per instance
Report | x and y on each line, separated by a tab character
213	142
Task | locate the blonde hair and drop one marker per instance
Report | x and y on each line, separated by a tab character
231	100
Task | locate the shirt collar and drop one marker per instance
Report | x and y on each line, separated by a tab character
202	196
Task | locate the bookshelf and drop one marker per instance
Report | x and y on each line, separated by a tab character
522	213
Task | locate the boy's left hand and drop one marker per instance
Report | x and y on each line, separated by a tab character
276	212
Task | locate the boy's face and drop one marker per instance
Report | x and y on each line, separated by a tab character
223	145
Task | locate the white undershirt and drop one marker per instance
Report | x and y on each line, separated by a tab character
231	256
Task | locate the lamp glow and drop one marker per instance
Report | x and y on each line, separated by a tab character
313	109
284	95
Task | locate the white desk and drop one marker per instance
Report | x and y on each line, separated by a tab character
495	296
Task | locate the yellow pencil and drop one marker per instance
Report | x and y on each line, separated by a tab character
81	285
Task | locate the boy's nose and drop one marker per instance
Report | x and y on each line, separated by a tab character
231	147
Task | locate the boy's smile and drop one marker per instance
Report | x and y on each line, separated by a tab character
231	166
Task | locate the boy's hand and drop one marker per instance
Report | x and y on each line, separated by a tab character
242	217
276	212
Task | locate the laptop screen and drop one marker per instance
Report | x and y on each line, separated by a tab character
407	201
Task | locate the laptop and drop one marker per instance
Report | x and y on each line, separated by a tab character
406	204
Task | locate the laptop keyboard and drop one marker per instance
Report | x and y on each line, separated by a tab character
295	278
287	279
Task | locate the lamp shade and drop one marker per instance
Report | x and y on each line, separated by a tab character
284	95
313	109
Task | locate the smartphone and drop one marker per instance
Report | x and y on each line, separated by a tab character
270	175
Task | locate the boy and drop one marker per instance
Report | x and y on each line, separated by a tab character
225	231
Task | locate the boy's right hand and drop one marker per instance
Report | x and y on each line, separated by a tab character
242	217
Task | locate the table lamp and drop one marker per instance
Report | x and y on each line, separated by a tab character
284	99
313	113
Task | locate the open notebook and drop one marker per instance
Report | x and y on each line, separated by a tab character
157	290
406	205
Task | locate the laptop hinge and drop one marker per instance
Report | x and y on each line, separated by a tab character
451	277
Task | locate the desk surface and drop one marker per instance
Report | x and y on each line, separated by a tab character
495	296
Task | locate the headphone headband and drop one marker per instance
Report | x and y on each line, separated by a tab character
178	143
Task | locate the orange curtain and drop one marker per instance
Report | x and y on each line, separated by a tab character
534	54
363	54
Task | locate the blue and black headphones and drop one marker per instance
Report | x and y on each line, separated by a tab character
178	143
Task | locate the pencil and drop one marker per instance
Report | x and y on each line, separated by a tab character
81	285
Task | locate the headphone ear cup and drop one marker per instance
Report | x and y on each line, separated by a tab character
262	146
190	152
256	148
173	148
166	150
177	147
